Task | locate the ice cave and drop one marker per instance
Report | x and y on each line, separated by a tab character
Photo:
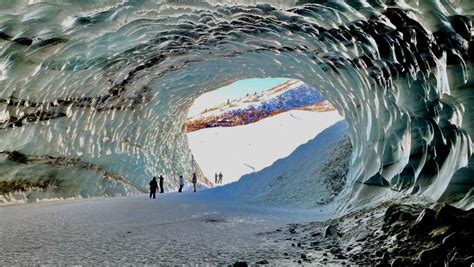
94	98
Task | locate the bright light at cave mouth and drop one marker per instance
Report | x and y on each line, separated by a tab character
248	125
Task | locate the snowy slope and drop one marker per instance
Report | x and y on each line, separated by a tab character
312	175
244	149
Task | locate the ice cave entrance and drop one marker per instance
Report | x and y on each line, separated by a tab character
246	126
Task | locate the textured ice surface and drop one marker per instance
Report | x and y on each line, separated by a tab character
173	229
110	84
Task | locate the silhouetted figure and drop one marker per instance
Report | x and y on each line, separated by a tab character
162	189
220	178
181	184
194	180
215	178
153	186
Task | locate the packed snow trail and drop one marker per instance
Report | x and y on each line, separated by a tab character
175	228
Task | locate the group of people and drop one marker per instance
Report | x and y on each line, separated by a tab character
218	178
154	184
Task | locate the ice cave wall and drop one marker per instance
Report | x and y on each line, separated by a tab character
105	86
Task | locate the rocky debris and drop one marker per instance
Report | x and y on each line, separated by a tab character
397	213
335	169
363	235
395	234
331	231
262	262
424	222
240	264
437	236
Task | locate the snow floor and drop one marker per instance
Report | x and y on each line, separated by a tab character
244	221
236	151
173	229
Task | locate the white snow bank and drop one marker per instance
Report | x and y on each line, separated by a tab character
236	151
306	178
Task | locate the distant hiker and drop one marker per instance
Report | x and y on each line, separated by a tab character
215	178
181	184
220	178
162	190
194	180
153	186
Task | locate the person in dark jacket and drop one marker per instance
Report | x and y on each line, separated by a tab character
153	186
181	184
162	189
194	181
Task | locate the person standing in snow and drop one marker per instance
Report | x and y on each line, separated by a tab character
215	178
162	190
153	186
194	181
181	184
220	178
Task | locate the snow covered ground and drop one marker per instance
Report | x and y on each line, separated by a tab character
172	229
236	151
311	176
239	221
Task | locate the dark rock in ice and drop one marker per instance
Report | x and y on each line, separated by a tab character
440	232
4	35
385	257
17	157
459	261
379	253
23	41
425	222
462	25
262	262
240	264
377	179
401	261
429	256
335	250
447	214
398	212
331	231
315	234
303	256
450	240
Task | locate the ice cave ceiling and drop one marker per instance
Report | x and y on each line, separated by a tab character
94	94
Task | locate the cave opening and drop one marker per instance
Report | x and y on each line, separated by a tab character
247	126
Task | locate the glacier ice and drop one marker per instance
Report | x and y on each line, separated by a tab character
109	84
